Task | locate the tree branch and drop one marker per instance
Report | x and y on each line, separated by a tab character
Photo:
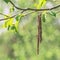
4	14
13	16
33	9
27	9
7	18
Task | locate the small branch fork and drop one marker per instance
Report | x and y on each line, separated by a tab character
33	9
28	9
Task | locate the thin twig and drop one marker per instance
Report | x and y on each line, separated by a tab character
14	16
7	18
33	9
27	9
4	14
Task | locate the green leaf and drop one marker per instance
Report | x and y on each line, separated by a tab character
43	17
18	17
52	13
8	27
13	28
7	1
11	9
41	4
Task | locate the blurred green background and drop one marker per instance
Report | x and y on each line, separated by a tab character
23	46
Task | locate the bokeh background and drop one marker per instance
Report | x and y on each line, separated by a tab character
23	46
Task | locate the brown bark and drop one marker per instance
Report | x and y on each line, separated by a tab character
39	32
